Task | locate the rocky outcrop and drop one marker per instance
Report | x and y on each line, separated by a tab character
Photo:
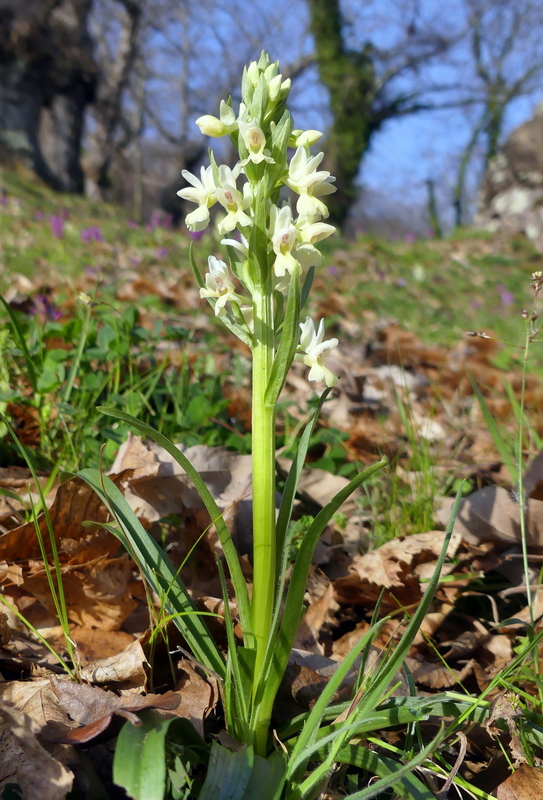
511	194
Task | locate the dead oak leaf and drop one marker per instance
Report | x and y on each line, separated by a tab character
392	566
24	761
526	783
93	708
493	514
74	503
97	593
197	697
127	667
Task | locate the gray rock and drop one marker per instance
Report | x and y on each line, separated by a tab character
511	194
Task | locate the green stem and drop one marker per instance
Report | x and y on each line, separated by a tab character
263	446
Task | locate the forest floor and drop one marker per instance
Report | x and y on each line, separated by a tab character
100	310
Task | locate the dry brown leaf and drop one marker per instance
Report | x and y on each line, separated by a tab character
35	698
93	709
197	697
505	707
74	503
492	514
392	566
436	675
97	594
526	783
24	761
128	667
320	610
94	644
533	478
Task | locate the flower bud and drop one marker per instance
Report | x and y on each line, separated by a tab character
285	89
301	138
271	72
253	73
274	88
211	126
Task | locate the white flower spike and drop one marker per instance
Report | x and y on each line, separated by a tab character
313	350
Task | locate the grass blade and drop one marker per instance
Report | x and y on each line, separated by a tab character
230	553
157	570
291	483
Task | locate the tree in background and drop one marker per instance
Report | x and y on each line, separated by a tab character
503	44
367	87
116	31
47	79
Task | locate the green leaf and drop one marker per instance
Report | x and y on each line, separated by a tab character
139	764
267	778
298	581
307	743
230	553
407	786
278	148
306	288
157	570
260	100
197	274
228	773
291	483
504	448
29	360
289	341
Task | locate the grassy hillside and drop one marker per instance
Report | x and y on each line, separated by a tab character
109	313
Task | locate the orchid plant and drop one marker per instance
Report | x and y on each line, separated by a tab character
258	293
268	261
258	290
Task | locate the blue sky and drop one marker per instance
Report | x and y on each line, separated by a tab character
408	150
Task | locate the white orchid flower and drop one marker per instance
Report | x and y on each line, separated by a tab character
282	233
304	179
219	285
313	350
203	193
235	204
255	142
242	246
213	126
308	234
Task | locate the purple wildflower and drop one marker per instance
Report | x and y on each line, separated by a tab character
132	223
196	235
333	271
43	305
162	252
159	220
409	238
3	199
506	297
57	226
38	216
92	234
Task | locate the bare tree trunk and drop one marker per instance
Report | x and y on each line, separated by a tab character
107	108
47	78
350	79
